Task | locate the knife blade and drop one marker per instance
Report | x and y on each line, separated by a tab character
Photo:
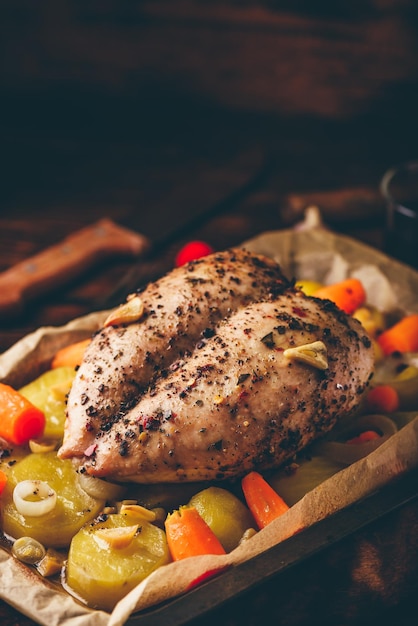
207	192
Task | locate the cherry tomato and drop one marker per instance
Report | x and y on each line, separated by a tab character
191	251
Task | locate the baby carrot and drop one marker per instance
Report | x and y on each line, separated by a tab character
364	437
264	503
401	337
382	399
3	481
70	356
205	576
348	294
20	420
189	535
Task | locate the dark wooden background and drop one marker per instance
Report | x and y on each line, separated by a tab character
92	92
108	108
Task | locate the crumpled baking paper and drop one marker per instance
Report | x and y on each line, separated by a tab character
313	253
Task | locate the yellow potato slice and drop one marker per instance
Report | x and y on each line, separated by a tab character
48	393
100	574
74	507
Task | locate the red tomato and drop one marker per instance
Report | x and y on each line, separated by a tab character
191	251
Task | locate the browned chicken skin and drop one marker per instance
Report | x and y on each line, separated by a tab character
206	386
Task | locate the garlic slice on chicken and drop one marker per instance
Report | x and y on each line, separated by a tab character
314	354
129	312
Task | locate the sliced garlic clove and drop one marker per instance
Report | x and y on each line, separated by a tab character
117	538
250	532
138	512
129	312
314	354
38	446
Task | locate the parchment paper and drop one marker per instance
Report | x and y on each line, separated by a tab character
312	254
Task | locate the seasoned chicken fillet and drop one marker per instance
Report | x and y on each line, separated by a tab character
180	309
262	380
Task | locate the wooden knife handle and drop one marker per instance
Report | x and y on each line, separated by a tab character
66	260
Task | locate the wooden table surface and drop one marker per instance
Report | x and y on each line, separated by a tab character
76	156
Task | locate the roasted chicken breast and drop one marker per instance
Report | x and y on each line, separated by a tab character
180	309
230	369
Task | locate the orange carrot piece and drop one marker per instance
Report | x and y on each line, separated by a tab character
20	420
348	294
401	337
263	501
382	399
210	573
70	356
3	481
364	437
189	535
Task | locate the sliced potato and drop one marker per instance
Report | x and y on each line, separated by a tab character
99	573
48	393
224	513
73	508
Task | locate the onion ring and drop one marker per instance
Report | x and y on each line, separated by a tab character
347	453
46	498
99	488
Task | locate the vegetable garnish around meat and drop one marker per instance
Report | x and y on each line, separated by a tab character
3	481
189	535
191	251
49	391
348	295
263	501
26	512
20	420
401	337
70	356
101	570
225	513
105	534
382	399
